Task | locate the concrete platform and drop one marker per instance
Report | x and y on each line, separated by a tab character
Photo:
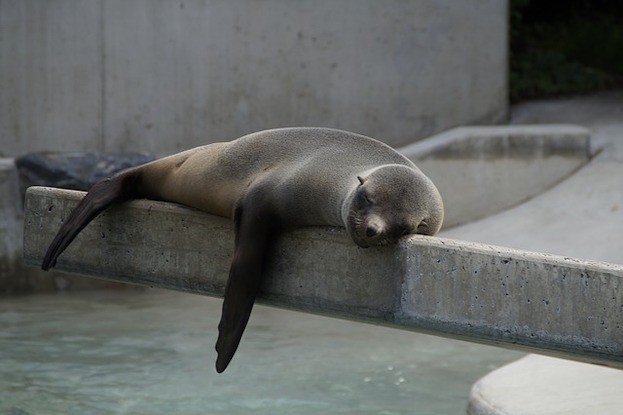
482	293
538	385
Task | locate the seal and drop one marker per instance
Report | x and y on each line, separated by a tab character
270	181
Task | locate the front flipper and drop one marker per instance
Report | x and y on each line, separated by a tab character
256	230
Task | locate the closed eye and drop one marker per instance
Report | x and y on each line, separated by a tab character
366	198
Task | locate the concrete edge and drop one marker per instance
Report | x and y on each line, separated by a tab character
478	404
15	276
540	385
529	301
481	171
514	141
548	304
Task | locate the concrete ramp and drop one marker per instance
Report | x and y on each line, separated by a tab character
481	171
548	304
582	216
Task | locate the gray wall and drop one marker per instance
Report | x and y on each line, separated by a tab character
160	76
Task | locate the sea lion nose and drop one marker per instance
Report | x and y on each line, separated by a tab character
371	231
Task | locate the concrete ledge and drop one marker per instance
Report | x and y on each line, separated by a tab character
538	385
484	170
15	277
559	306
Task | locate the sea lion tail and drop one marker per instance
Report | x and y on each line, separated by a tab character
118	188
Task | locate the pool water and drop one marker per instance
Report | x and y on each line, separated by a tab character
152	352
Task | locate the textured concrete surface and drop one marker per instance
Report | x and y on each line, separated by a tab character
459	289
481	171
15	276
538	385
580	217
162	76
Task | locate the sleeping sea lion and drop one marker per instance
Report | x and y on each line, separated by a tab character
270	181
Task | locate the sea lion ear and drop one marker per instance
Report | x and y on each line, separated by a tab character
361	179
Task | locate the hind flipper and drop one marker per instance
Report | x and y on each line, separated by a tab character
119	188
255	233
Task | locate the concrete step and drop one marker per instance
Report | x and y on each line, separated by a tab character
538	385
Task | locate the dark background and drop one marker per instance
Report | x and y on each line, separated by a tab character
565	47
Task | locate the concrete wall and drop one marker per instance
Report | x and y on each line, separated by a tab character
160	76
10	228
560	306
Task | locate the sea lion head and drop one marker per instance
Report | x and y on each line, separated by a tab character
392	201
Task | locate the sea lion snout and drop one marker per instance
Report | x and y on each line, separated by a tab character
372	230
392	201
375	226
375	230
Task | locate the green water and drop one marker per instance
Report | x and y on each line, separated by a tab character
151	352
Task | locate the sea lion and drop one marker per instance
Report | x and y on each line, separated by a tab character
270	181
